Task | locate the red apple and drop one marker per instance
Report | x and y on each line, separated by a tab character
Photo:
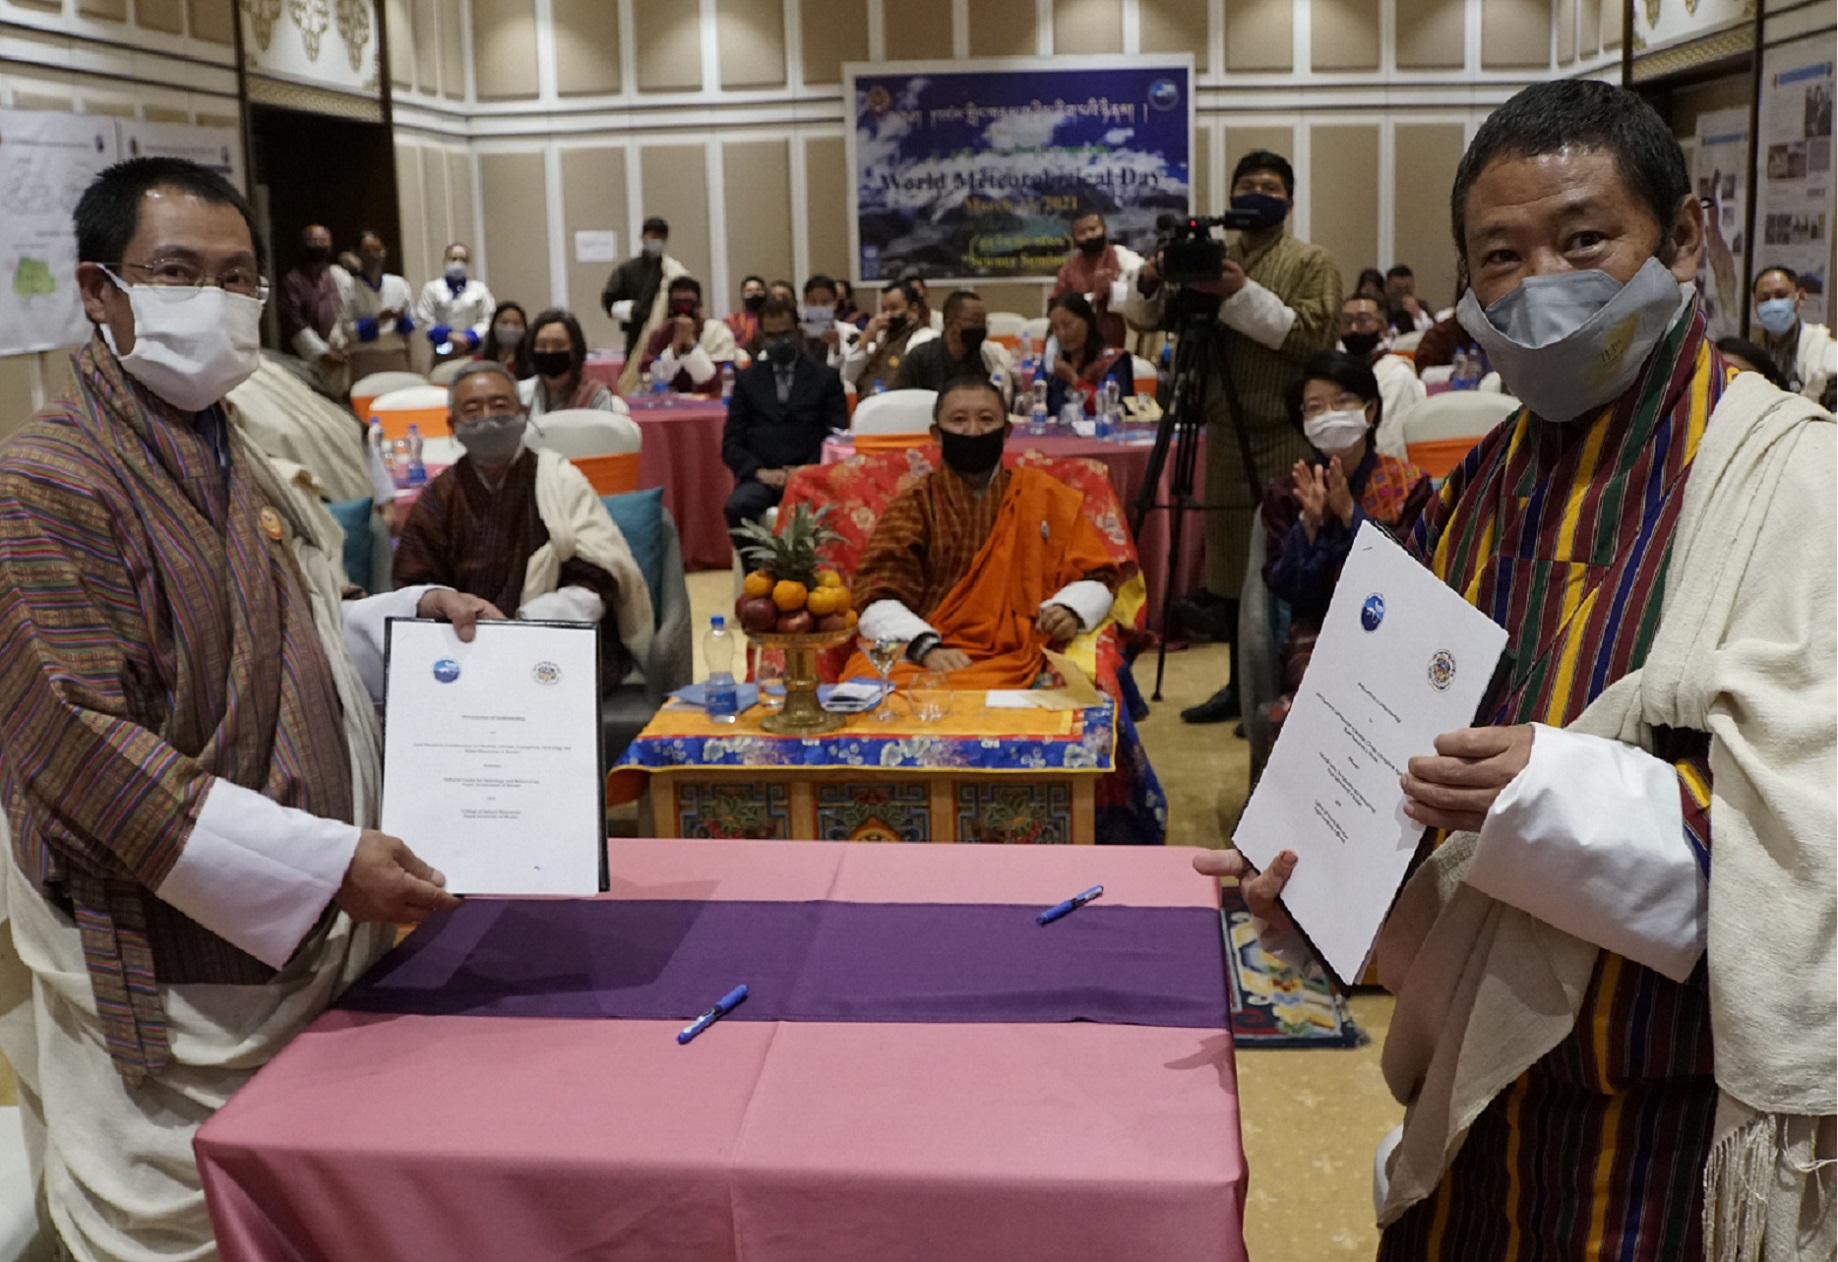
795	623
832	622
758	614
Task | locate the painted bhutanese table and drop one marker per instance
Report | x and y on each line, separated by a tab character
976	775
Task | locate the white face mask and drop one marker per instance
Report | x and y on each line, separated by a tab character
191	346
1568	343
654	247
1334	432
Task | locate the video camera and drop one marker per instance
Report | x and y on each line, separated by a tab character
1191	254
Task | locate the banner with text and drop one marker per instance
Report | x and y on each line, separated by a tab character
978	173
46	161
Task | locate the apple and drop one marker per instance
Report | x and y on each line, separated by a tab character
799	623
758	614
832	622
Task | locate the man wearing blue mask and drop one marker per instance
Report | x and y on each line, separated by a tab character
1615	1026
456	309
1805	354
1279	302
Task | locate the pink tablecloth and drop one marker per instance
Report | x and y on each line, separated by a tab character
1129	466
605	371
682	454
410	1138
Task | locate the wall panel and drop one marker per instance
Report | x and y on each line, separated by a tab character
1344	35
406	255
1343	196
1589	23
1423	173
437	227
586	46
1566	32
676	187
398	18
1430	34
826	200
836	33
1088	26
593	200
452	53
918	29
1023	299
503	49
1259	35
1515	34
461	223
516	226
160	15
751	34
108	10
1003	30
1174	26
756	179
213	20
1200	177
427	45
669	45
1242	140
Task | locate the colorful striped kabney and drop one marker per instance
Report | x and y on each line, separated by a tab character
1562	534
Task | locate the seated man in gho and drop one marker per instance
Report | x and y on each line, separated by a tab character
524	526
977	567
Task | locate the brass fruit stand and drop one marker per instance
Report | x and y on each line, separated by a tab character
801	715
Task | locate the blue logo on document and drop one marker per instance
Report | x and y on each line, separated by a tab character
1372	612
446	670
1164	94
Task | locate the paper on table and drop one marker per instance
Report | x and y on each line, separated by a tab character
1077	693
1401	659
491	754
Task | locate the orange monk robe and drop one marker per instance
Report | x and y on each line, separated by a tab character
978	568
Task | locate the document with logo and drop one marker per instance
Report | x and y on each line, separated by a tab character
1401	659
491	754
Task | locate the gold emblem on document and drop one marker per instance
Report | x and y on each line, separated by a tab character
271	523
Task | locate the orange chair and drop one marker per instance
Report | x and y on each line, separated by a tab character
422	406
609	475
367	390
890	442
1441	429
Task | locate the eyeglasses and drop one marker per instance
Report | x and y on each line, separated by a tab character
1359	320
178	279
1346	401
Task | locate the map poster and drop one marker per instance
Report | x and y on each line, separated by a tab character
218	148
1719	162
978	173
1793	154
46	161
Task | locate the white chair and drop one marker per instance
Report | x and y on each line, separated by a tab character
1491	384
1439	431
894	412
1406	341
443	374
1006	324
602	445
367	390
1038	329
420	405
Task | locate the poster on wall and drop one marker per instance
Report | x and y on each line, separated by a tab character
219	148
1718	162
973	174
46	161
1793	156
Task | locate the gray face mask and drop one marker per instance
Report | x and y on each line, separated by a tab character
1567	344
491	438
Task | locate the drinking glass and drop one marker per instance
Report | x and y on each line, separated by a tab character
769	674
884	654
931	696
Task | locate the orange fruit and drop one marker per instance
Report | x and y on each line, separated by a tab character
789	596
853	618
825	601
828	578
844	599
758	583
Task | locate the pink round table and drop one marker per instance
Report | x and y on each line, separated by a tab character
605	371
682	454
1128	463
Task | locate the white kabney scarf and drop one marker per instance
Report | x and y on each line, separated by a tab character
1745	651
579	526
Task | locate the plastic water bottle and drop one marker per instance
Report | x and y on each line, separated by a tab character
417	471
720	697
727	382
373	437
660	382
1037	409
879	386
1107	408
1027	351
398	461
1458	370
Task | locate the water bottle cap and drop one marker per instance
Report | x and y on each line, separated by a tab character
716	620
413	428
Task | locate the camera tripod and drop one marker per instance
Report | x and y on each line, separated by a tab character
1200	347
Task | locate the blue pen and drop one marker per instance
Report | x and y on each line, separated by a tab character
724	1005
1072	904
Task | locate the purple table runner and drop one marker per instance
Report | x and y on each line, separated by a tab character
816	961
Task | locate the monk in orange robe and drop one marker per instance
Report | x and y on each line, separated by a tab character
977	568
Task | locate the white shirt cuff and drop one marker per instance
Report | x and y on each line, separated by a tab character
891	620
1590	838
308	345
1087	598
1258	314
365	622
701	367
1119	293
257	873
622	311
564	604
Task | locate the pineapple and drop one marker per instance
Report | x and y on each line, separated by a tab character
791	555
790	560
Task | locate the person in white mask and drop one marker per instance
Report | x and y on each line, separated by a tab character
456	309
637	294
190	765
1805	354
1310	519
1616	1033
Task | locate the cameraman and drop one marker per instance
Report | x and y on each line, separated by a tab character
1280	301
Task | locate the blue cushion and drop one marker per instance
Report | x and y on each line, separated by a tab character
354	517
640	518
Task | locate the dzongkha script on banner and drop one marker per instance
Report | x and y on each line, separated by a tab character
978	173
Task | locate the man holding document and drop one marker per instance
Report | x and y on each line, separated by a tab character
1615	1025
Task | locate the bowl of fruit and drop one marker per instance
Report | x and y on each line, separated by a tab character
792	601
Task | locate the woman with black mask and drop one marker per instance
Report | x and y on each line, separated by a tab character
558	350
